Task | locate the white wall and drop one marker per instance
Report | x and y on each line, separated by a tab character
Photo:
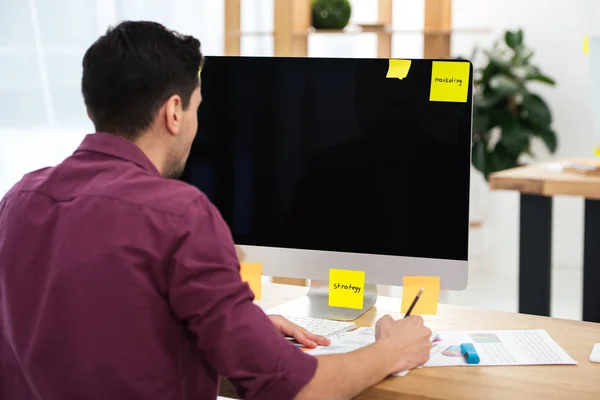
42	115
42	42
555	29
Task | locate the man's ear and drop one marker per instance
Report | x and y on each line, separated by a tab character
173	114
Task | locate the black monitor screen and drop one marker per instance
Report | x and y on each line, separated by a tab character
330	154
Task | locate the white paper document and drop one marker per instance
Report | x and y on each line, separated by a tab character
520	347
360	337
495	348
347	342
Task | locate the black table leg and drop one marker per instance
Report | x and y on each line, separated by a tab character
535	273
591	262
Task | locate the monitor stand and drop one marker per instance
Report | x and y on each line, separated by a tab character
316	304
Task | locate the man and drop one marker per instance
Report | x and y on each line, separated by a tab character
119	282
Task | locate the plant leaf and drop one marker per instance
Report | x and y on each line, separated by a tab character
515	136
499	115
549	137
526	56
496	65
539	114
520	36
497	61
501	159
520	72
512	39
540	78
505	85
481	122
486	99
479	156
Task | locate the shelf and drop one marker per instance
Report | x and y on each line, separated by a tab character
349	30
249	33
472	31
292	27
357	30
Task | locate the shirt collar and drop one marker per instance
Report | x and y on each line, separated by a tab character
116	146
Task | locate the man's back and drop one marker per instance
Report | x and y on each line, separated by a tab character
87	285
75	273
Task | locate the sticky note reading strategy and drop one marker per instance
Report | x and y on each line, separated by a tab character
449	81
346	288
252	273
428	303
398	69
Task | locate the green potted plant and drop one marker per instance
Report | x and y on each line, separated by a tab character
507	114
331	14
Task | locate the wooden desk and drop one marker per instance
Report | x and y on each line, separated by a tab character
579	382
537	184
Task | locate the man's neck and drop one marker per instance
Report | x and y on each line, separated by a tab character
156	152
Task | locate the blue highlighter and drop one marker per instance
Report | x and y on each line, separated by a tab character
469	353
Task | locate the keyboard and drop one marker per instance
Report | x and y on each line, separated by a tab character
322	327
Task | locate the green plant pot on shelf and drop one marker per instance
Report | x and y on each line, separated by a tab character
331	14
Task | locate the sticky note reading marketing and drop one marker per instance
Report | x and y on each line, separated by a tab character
398	69
252	273
450	81
428	303
586	44
346	288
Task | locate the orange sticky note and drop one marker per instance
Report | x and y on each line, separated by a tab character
428	303
252	273
346	288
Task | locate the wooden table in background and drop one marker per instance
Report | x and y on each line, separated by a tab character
579	382
537	185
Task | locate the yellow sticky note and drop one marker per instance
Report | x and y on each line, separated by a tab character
428	303
398	69
450	81
346	288
586	44
252	273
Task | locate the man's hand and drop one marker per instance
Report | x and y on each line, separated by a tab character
400	345
301	335
408	340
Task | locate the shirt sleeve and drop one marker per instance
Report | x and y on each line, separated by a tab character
233	334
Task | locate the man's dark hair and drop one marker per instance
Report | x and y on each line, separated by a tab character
132	70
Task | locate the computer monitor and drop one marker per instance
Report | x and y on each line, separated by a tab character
320	163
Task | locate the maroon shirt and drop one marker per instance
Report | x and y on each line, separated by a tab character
116	283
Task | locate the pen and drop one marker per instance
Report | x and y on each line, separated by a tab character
417	297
